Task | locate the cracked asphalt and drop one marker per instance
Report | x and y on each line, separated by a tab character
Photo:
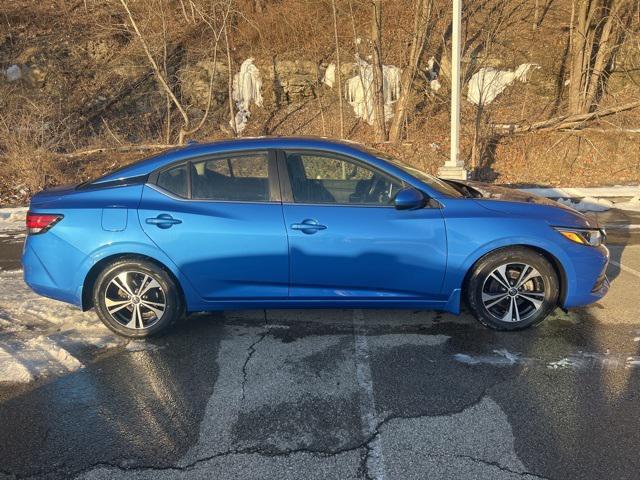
342	394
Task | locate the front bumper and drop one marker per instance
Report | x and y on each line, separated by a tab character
589	282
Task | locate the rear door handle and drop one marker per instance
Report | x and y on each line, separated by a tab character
164	220
308	226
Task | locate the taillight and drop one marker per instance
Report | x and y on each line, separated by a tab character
41	222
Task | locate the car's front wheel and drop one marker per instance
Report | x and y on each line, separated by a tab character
512	288
136	298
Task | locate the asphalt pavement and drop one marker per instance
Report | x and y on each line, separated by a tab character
393	394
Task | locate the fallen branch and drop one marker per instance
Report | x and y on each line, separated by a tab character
608	131
566	122
123	148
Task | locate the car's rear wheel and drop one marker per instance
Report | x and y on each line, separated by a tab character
136	298
512	288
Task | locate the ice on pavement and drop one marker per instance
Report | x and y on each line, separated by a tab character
39	336
12	219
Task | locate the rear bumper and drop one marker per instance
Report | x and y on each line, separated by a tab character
52	284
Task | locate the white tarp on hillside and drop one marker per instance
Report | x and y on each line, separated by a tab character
488	82
329	77
247	89
359	91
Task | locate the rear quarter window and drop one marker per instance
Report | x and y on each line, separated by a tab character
174	180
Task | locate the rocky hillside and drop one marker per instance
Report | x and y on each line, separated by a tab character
86	86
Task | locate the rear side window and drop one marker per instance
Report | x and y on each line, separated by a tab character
174	180
243	178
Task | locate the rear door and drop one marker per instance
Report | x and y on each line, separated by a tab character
220	220
346	239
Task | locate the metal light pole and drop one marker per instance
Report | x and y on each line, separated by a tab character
454	167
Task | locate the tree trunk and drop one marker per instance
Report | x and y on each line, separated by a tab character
594	35
232	114
422	17
378	76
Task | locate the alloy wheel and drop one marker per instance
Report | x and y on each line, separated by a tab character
513	292
135	300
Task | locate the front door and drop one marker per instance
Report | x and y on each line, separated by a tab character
220	220
346	240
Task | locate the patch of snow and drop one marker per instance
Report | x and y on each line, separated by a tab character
432	75
580	360
24	361
329	78
636	339
36	333
247	89
488	82
12	219
632	362
501	357
630	205
571	192
511	357
588	204
11	369
359	90
564	363
141	346
13	73
587	359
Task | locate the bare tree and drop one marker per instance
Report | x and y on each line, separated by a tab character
421	27
232	114
595	38
158	73
378	76
162	77
211	21
338	67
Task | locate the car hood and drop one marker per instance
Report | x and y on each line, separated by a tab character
515	202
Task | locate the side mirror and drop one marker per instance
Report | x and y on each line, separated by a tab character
409	199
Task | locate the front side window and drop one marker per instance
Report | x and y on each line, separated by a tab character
174	180
242	178
318	178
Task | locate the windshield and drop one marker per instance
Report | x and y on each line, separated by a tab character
433	182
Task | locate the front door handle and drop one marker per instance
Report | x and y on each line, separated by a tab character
164	220
308	226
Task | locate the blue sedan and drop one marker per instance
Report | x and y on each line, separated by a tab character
304	223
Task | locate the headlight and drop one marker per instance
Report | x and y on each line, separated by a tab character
593	237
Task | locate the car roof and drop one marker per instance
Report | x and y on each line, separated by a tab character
192	150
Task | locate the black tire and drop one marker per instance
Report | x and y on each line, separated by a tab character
149	318
532	301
